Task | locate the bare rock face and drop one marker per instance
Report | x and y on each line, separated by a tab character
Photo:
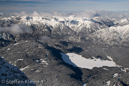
6	39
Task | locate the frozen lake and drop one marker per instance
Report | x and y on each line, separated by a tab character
79	61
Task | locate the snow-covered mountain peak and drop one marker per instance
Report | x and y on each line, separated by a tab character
73	22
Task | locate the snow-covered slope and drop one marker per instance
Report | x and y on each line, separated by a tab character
112	35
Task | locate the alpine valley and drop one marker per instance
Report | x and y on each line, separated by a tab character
89	48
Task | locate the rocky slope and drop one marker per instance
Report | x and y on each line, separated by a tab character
11	76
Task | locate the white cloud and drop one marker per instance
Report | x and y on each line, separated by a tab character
1	14
16	29
86	13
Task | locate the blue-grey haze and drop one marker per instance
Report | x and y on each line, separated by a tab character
62	5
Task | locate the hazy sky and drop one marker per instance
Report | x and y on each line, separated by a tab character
62	5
